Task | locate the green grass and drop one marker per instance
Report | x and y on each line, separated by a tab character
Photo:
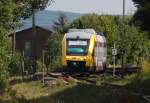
35	89
30	90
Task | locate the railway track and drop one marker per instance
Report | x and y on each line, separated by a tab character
88	77
118	71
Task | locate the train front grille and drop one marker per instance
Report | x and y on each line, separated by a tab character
76	63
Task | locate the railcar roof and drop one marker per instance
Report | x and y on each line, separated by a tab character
92	31
80	35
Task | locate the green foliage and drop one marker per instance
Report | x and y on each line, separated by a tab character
24	8
53	48
3	69
141	81
131	43
94	21
6	9
53	51
61	25
40	66
14	67
55	64
141	17
3	79
54	44
28	63
145	69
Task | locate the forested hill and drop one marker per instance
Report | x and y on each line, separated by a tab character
46	18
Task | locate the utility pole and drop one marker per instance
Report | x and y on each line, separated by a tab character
123	8
23	65
43	62
33	42
123	21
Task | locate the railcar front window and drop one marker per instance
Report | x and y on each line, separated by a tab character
77	47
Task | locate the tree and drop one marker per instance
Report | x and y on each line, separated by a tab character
61	25
25	8
6	13
53	51
142	15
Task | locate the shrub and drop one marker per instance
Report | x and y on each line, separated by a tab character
141	80
40	66
145	69
53	52
14	66
55	64
29	65
3	85
3	79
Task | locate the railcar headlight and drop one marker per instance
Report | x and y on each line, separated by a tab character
74	63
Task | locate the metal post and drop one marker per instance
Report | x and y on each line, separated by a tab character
43	52
123	8
114	59
123	21
23	61
14	42
23	65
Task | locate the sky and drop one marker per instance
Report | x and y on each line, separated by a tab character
93	6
